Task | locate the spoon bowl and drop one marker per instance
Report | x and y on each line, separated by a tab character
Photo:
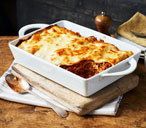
14	83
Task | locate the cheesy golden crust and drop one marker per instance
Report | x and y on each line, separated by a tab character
66	48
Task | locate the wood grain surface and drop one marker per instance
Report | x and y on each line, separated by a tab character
131	114
75	102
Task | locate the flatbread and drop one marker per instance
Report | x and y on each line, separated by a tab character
136	23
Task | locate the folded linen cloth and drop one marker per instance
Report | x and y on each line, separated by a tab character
8	94
136	24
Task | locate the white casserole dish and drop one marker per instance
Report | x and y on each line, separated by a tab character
85	87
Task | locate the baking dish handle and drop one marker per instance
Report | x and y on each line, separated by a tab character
30	26
133	64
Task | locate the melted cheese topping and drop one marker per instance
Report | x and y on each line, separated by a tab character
61	46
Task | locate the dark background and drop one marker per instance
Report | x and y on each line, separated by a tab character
16	13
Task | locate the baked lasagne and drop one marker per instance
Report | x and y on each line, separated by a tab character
84	56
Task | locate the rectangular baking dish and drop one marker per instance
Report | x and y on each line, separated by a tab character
82	86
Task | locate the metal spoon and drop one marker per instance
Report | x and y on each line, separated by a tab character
139	34
21	86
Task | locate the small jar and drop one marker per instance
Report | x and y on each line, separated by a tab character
103	23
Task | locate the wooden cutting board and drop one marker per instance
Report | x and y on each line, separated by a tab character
77	103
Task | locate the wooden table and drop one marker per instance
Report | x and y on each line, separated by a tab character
131	114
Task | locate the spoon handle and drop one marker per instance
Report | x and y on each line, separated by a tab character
60	111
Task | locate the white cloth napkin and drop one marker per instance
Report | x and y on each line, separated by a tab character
7	93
